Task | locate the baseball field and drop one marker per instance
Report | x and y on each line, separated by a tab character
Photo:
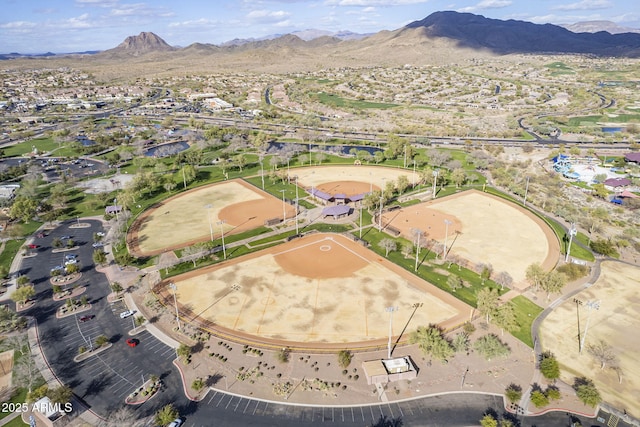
323	289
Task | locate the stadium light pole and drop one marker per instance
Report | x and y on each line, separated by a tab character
572	232
419	233
262	171
390	310
208	208
591	305
284	210
380	216
297	204
446	235
414	173
174	288
224	251
526	190
435	179
361	219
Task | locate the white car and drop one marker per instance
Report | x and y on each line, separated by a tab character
100	233
70	256
175	423
126	314
71	261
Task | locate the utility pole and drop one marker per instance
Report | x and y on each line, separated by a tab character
591	305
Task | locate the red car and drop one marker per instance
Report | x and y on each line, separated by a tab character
86	318
32	246
132	342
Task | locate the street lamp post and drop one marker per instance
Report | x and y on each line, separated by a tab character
175	302
224	251
390	310
572	232
446	235
591	305
526	190
208	208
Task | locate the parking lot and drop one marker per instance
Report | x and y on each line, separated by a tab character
104	380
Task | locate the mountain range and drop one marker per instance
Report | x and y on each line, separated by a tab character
442	37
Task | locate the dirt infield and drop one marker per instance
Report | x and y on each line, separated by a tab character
323	289
484	229
184	219
350	180
615	323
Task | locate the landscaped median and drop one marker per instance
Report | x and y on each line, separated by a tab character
142	394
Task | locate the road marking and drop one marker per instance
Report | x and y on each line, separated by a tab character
256	408
245	408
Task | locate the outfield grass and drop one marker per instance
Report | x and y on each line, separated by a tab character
526	312
11	249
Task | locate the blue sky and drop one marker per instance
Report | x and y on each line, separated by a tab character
36	26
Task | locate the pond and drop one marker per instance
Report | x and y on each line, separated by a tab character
335	148
166	150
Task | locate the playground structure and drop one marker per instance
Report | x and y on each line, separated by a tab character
583	169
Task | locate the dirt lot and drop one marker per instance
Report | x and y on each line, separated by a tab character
322	289
616	323
184	220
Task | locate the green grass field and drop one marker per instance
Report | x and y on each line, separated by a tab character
526	311
340	102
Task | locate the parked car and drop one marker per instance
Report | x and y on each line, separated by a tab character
32	246
86	318
70	256
71	261
132	342
65	237
126	314
97	245
100	233
175	423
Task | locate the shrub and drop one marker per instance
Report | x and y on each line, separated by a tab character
549	366
574	271
513	392
539	399
197	384
344	358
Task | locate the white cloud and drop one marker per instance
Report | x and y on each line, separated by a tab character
81	21
18	25
584	5
486	4
196	23
261	15
99	3
370	3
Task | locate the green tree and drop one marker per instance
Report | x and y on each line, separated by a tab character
188	174
587	391
513	393
461	342
458	177
62	394
553	282
505	317
549	366
402	184
432	341
22	280
23	208
489	421
489	346
23	294
344	358
487	302
454	282
57	242
534	274
139	320
99	257
539	399
184	351
116	287
165	415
